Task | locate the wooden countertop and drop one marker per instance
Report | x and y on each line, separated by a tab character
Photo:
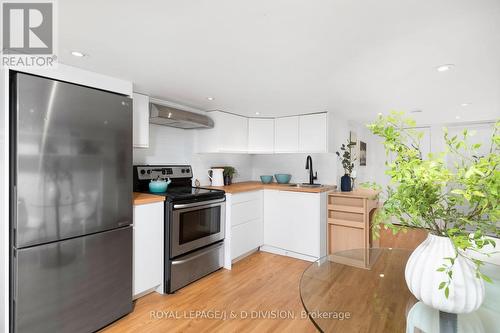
364	193
146	198
256	185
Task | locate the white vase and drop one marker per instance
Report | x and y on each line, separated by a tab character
423	279
426	319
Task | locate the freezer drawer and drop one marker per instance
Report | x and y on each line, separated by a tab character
76	285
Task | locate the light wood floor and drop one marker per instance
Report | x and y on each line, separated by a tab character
261	282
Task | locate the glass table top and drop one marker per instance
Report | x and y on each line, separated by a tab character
365	291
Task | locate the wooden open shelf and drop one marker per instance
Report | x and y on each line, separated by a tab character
349	225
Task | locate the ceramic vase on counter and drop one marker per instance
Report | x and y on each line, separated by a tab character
466	291
346	183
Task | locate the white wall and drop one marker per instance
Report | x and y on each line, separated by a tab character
294	164
167	145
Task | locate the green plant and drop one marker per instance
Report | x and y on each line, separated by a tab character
459	200
346	156
229	171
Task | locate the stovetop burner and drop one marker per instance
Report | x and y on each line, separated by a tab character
180	188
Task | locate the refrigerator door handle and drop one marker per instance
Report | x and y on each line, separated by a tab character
13	210
14	275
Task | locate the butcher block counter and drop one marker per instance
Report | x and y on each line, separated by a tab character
146	198
256	185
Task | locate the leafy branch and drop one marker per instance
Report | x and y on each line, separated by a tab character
346	156
454	193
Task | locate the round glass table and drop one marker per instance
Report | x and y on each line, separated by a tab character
365	291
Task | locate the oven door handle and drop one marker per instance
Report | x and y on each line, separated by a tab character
197	255
201	203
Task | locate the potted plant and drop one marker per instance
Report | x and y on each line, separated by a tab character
228	173
347	158
457	202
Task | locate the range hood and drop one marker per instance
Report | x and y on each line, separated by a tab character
165	115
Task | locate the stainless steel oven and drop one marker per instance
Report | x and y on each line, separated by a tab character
196	224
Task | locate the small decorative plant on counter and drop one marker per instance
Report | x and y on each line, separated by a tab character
455	195
347	158
229	173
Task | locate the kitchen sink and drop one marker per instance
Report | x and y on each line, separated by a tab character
306	185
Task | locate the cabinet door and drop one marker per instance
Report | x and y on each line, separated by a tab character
260	135
274	219
292	221
246	237
141	121
286	135
233	136
229	135
312	133
148	247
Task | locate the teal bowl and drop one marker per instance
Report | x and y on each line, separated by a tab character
156	186
266	179
283	178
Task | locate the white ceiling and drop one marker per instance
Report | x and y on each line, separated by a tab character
283	57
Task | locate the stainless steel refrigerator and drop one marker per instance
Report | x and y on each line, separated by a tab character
71	206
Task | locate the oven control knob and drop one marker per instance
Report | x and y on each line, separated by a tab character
143	172
183	170
188	171
149	172
163	172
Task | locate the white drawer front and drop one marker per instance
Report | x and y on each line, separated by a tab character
246	237
246	196
246	211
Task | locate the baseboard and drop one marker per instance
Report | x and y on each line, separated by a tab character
244	255
282	252
146	292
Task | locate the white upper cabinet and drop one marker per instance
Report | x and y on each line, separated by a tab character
238	134
141	121
260	135
286	137
313	136
229	135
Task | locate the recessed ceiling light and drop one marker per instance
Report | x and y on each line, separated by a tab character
381	275
444	68
379	114
257	113
210	98
78	54
464	104
458	117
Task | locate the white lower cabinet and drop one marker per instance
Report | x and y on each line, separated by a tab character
246	237
282	222
148	248
295	224
246	222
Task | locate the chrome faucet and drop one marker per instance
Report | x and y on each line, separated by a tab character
309	166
